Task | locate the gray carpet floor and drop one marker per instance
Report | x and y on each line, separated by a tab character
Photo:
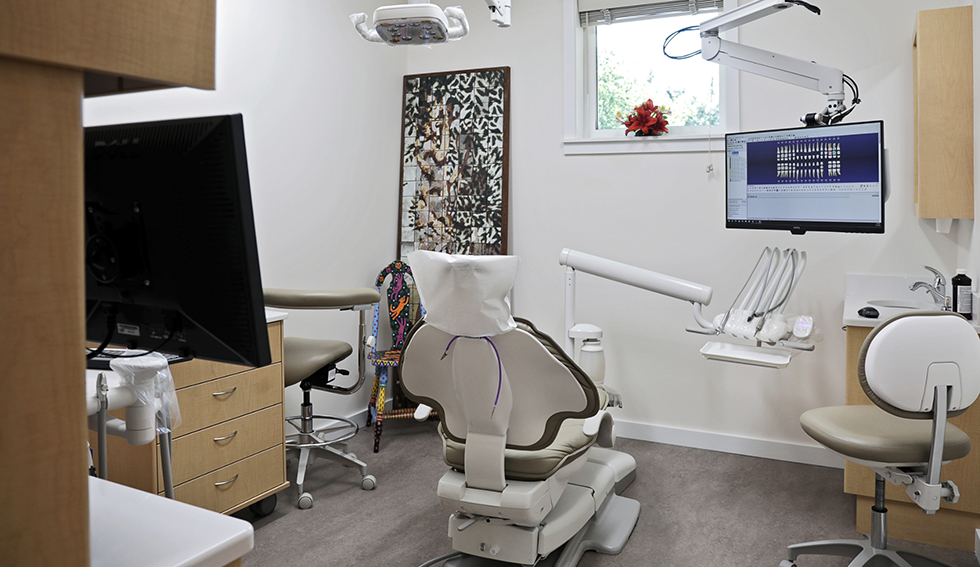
699	508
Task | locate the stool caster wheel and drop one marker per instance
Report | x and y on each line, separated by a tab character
264	507
787	563
305	501
369	482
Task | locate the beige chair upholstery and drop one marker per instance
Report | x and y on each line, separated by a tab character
918	369
312	363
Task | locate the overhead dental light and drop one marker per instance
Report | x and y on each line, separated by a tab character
423	23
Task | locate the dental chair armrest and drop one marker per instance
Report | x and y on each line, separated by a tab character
344	299
601	424
422	412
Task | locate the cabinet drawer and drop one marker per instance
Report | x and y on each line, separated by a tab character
212	448
226	488
220	400
197	371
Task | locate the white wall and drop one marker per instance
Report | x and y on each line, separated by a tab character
322	110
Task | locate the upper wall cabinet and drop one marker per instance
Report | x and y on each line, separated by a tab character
121	45
942	51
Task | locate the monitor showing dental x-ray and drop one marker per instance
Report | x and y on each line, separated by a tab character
807	179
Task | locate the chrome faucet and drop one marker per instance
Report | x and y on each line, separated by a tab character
937	289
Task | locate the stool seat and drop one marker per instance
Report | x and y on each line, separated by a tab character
303	357
869	433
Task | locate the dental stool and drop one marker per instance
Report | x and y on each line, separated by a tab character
312	363
519	424
918	369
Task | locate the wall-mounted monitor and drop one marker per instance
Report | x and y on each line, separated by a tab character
829	178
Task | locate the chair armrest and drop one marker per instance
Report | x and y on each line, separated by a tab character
345	299
601	424
422	412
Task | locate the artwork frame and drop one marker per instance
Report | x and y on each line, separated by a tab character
454	173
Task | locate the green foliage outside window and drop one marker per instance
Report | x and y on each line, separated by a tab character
636	71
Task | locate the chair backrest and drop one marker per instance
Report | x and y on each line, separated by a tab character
544	390
399	298
494	384
906	357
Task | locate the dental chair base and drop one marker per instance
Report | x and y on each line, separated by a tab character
590	515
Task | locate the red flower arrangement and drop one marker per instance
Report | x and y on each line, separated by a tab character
647	119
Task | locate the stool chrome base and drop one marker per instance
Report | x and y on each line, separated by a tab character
324	441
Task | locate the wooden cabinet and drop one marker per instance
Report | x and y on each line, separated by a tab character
953	525
228	451
943	70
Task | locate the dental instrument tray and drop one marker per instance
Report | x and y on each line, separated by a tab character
747	354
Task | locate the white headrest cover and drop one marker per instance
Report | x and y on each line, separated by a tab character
465	295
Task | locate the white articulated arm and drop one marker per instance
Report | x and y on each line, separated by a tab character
806	74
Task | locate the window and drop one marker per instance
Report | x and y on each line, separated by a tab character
618	61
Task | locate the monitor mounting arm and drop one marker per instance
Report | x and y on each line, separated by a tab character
807	74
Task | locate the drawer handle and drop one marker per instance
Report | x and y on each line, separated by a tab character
226	437
226	482
232	391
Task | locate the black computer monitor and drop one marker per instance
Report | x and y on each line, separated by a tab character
171	258
829	178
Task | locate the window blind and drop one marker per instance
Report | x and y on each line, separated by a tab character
590	12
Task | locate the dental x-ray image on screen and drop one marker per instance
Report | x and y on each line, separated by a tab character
807	179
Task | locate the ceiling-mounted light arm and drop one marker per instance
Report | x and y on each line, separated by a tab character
499	12
360	24
806	74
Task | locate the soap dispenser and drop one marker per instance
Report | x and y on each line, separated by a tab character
962	294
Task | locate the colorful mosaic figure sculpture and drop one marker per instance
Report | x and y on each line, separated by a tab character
399	317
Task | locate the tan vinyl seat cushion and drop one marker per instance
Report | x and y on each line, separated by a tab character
570	444
871	434
302	357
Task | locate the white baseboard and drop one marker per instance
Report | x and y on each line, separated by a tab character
766	449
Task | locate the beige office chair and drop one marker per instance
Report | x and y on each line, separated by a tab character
519	421
312	363
918	368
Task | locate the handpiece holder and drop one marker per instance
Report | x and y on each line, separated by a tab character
765	324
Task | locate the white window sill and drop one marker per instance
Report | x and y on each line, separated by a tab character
643	145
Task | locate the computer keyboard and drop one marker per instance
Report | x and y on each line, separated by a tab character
101	362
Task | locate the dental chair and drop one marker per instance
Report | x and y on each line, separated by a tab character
519	424
918	369
312	363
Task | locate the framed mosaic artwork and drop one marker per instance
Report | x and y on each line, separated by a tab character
454	169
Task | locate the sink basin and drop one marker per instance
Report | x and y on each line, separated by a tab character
903	304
